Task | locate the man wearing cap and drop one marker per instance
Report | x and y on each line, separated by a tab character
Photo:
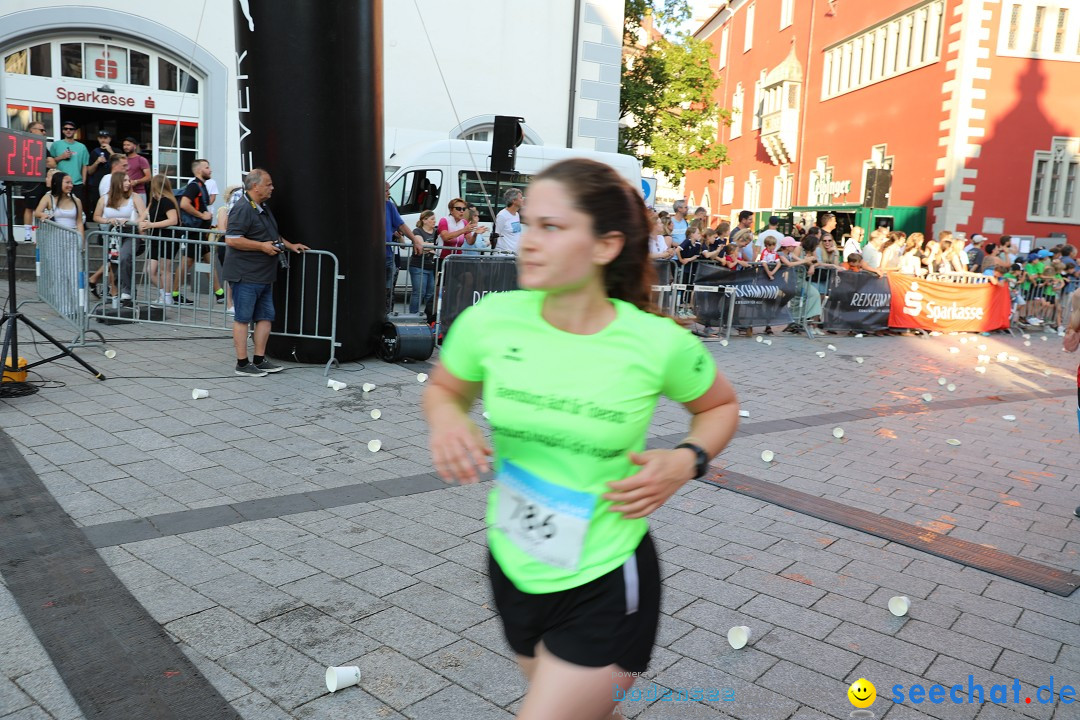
72	157
975	253
99	167
138	168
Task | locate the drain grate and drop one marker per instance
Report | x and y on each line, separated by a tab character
967	553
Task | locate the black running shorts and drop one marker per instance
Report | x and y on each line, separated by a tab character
611	620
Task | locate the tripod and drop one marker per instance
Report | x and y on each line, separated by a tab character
12	317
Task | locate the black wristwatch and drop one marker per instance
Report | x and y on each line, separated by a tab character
702	466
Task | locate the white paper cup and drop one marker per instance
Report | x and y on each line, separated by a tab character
768	342
950	387
368	387
738	636
338	678
767	455
110	353
723	343
820	353
831	347
838	432
899	605
421	377
198	394
1010	418
760	338
335	385
859	360
941	381
744	413
374	445
376	414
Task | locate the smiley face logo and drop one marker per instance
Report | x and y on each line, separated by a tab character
862	693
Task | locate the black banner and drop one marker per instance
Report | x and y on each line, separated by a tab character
857	301
759	299
466	279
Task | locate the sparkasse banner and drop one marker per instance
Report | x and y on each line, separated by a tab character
947	307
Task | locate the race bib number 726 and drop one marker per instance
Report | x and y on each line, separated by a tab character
545	520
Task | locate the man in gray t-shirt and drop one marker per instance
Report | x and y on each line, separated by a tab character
251	266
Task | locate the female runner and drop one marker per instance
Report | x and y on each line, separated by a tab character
570	369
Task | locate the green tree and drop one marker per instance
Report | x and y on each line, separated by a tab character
670	121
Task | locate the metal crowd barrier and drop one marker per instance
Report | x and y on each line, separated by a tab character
173	280
60	266
401	296
1039	303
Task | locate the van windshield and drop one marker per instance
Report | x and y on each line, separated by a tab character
478	188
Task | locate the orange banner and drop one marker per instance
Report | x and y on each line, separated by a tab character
947	307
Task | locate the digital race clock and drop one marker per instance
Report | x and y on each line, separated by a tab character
22	156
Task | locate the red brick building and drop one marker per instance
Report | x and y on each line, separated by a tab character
973	104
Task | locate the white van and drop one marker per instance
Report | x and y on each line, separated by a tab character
427	176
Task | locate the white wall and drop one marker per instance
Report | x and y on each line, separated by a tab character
505	57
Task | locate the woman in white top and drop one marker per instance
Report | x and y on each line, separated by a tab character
121	209
911	261
59	205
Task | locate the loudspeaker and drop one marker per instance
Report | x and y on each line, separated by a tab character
504	142
406	339
878	185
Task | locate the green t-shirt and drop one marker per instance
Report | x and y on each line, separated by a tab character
73	166
569	409
1032	269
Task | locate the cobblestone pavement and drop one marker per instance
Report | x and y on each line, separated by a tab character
259	531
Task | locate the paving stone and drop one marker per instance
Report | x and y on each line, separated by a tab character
975	604
248	597
230	686
482	671
820	692
712	648
335	597
439	606
490	634
269	565
283	674
699	562
397	680
460	581
29	713
329	557
186	563
1017	639
874	616
881	647
12	698
456	702
807	652
274	532
398	555
751	702
168	601
216	632
218	541
978	653
814	576
381	580
324	639
793	617
792	590
349	705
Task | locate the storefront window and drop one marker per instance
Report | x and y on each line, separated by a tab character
71	60
177	149
188	84
17	63
166	75
106	63
41	60
139	66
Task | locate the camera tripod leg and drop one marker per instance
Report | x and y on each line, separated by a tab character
64	351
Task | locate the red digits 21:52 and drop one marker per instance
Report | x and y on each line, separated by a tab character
22	156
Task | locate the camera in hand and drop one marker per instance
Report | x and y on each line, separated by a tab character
283	255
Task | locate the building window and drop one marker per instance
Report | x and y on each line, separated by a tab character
71	60
752	192
727	195
787	12
759	101
1036	31
736	112
724	36
782	185
1043	30
901	44
748	40
1062	26
1054	189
